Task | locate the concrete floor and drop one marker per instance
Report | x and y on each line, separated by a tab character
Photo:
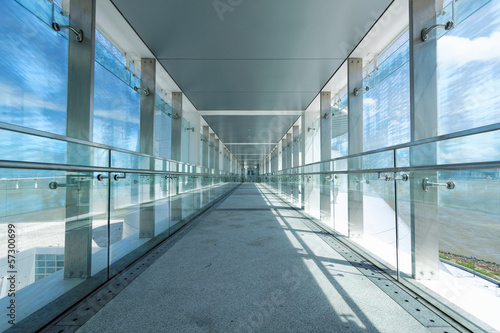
252	265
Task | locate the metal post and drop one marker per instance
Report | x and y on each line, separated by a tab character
296	146
355	142
304	195
295	163
424	124
289	150
176	125
176	203
326	155
212	150
217	154
283	154
205	146
80	116
146	139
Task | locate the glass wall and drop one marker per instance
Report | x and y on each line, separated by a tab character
468	62
118	215
163	128
426	212
340	143
116	103
34	66
386	106
75	214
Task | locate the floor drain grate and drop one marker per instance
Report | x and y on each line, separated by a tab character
419	311
88	307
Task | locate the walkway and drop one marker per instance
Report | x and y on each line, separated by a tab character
253	264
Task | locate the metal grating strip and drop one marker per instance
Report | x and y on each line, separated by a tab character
89	306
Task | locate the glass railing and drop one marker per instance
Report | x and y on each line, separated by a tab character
428	213
75	214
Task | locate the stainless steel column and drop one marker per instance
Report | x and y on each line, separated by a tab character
212	150
289	150
176	199
326	155
80	117
146	139
217	154
424	124
205	146
176	125
296	163
355	139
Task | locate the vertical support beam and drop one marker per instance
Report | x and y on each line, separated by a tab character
355	142
295	163
289	181
296	147
81	57
147	120
326	126
176	125
289	150
283	154
424	124
205	146
326	155
217	154
212	150
304	134
80	116
146	139
304	195
176	203
355	106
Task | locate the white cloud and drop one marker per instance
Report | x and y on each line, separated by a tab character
454	50
15	98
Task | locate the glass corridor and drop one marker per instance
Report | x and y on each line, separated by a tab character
75	212
70	228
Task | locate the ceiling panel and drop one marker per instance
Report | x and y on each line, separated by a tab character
250	129
250	100
251	55
278	29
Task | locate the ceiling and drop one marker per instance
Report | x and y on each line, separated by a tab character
251	55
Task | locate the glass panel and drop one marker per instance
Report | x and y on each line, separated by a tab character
379	220
31	148
403	202
108	57
339	207
326	184
469	224
386	114
380	160
34	67
116	111
124	220
312	195
340	128
185	141
130	161
175	202
162	204
468	62
163	128
39	232
459	150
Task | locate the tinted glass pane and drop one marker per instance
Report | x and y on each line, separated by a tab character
33	67
468	65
